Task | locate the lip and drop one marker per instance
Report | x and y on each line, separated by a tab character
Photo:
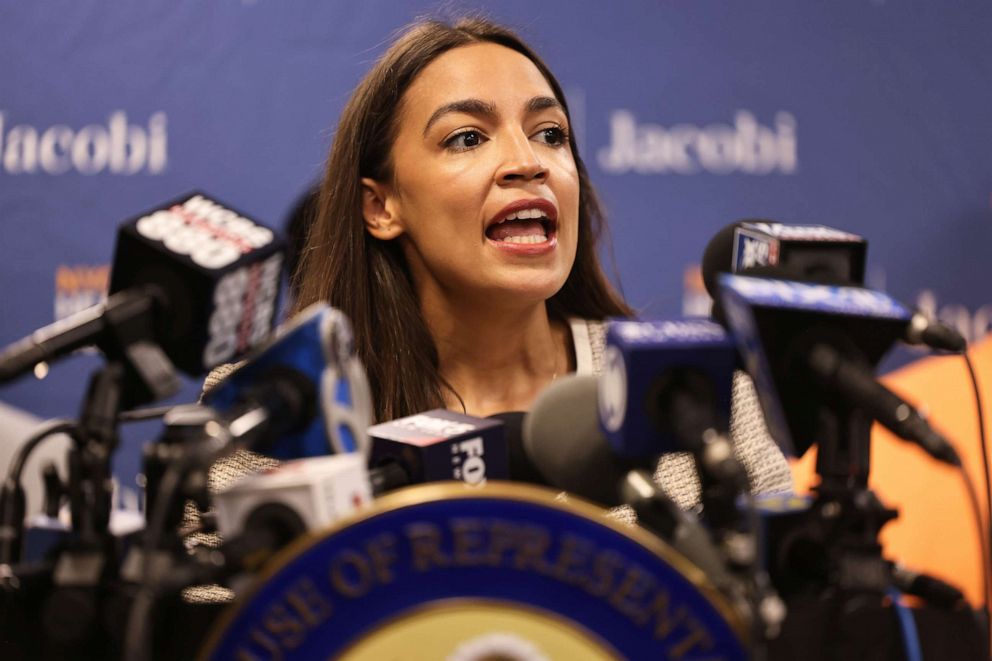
544	206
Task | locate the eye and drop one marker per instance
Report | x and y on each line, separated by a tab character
464	140
555	136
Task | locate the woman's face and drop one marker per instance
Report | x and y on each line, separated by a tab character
485	192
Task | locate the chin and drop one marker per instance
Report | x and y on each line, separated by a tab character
528	290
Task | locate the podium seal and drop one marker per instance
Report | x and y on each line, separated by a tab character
507	571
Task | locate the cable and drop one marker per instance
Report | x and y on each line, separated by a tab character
49	428
983	549
12	492
983	441
986	534
907	625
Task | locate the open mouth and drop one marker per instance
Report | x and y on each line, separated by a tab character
529	226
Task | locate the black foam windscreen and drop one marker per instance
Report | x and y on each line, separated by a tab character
718	257
563	439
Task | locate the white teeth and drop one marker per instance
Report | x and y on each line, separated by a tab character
524	214
536	238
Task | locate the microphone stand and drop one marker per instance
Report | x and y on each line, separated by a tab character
685	405
76	589
835	547
828	558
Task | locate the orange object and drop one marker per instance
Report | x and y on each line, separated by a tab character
936	530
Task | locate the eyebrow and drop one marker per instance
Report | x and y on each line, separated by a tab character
543	103
487	109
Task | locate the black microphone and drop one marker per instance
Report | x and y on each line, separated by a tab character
932	589
811	350
435	446
563	439
830	368
201	279
813	253
667	387
924	330
806	253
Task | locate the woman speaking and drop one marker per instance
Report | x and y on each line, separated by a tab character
457	230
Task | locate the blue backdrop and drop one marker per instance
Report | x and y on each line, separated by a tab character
868	115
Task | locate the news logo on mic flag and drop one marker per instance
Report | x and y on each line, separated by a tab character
441	445
316	346
799	247
639	354
219	269
193	285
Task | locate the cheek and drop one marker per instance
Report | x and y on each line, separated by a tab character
565	178
441	233
442	224
568	200
438	198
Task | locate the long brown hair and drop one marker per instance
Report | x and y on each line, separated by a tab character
367	278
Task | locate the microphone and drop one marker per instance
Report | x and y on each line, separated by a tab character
806	253
665	385
436	446
835	373
258	516
932	589
563	438
799	342
193	277
812	253
926	331
303	394
262	513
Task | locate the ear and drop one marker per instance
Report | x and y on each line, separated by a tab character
378	210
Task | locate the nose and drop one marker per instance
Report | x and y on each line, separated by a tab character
520	162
